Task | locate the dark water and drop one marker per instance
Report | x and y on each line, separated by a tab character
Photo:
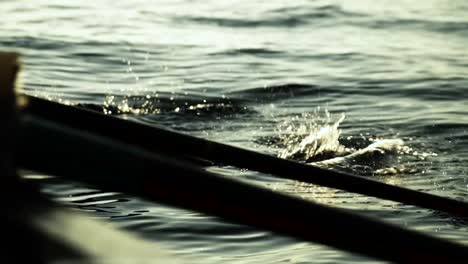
263	75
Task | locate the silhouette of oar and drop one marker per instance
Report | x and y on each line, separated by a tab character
180	145
53	148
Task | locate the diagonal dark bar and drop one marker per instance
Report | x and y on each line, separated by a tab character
181	145
55	149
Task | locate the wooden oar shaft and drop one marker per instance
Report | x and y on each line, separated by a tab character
55	149
162	140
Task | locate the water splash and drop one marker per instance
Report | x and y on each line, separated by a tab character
379	158
111	106
315	139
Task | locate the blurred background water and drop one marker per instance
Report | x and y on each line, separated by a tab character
262	75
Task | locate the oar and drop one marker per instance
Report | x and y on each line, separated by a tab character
55	149
180	145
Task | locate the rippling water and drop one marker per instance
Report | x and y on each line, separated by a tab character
265	75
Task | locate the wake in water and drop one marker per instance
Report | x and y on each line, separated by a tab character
315	139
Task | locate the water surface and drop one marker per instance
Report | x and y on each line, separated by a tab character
263	75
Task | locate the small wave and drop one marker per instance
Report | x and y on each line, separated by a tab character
40	43
326	11
329	15
242	22
250	51
279	92
450	89
158	103
281	17
82	47
422	24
